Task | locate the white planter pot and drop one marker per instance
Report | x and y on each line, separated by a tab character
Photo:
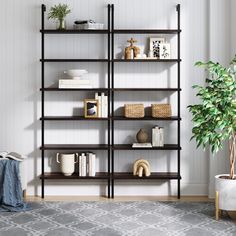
67	162
227	192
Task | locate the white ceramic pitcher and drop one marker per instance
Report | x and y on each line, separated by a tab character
67	163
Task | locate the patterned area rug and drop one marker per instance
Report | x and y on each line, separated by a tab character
117	218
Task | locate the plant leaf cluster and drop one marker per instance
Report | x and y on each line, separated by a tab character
59	11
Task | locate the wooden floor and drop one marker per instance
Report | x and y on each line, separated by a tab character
121	198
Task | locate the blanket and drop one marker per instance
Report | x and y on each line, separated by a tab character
11	198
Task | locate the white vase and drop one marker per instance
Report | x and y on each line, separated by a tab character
67	162
226	189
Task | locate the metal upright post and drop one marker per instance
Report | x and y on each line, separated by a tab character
112	96
109	98
42	99
179	143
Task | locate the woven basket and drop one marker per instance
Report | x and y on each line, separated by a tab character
161	110
134	110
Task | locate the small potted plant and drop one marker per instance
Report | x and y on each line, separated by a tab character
59	12
215	121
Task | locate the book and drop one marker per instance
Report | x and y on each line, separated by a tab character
12	155
74	86
80	165
74	81
158	137
99	98
141	145
83	165
104	102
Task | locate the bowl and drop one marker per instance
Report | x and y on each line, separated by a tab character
75	73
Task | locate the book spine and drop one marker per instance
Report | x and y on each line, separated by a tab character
155	139
161	137
93	172
83	165
74	86
74	82
80	165
90	164
103	105
98	97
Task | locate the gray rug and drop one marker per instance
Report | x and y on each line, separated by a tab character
117	218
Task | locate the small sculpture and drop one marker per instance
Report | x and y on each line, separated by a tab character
141	167
131	51
142	136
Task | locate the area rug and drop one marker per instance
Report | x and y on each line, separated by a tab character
144	218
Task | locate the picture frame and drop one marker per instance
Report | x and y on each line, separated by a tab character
155	46
91	108
165	51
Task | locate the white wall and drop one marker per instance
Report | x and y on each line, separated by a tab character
20	83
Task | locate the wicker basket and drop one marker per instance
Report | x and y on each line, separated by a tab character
134	110
161	110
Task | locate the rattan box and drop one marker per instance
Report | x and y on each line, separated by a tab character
134	110
161	110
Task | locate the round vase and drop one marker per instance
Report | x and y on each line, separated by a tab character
142	136
226	191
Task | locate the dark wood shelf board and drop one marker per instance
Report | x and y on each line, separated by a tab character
75	147
154	175
74	31
73	89
72	118
73	60
129	147
146	31
146	89
145	118
58	175
146	60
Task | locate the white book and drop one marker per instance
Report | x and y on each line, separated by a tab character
155	137
93	167
90	164
141	145
80	165
99	98
74	86
73	81
161	137
83	165
105	105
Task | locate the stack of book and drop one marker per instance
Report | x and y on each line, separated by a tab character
74	83
102	104
157	136
87	164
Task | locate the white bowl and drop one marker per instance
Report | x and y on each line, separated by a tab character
75	73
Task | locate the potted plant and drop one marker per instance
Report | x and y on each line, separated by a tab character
59	12
215	121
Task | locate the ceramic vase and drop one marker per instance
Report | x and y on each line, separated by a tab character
142	136
67	162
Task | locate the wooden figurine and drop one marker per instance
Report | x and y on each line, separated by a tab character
131	51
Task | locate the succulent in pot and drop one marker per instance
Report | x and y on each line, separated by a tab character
214	122
59	12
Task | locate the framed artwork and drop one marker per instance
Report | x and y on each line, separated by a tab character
155	46
164	51
91	108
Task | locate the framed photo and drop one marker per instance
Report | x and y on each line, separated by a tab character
164	51
91	108
155	46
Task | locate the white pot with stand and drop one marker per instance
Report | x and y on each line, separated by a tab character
67	162
225	194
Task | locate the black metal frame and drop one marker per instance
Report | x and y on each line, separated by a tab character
111	147
177	147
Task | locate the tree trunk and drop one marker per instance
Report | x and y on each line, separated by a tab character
232	155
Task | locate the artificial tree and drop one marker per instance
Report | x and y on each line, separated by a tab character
215	117
59	12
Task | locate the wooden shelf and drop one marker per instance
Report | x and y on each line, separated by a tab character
73	60
74	31
146	118
146	31
146	60
154	175
75	147
58	175
72	118
74	89
129	147
146	89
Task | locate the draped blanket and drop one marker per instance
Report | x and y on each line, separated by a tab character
11	198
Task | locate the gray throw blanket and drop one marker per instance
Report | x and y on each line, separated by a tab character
11	198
